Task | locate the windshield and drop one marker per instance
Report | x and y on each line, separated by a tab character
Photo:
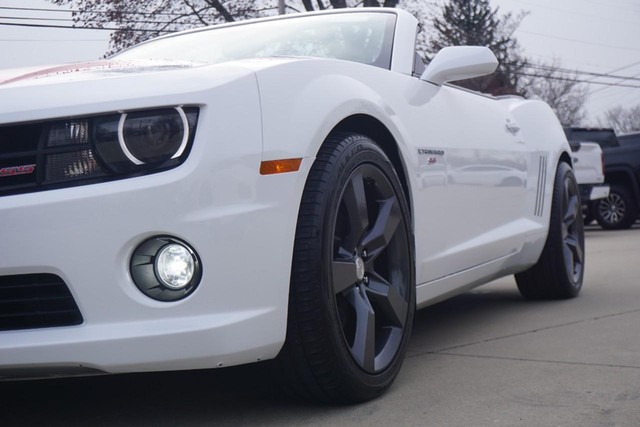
359	37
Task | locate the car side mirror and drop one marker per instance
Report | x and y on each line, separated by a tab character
459	63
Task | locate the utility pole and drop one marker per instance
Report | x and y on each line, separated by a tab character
281	7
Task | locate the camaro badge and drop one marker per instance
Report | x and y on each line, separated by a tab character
431	155
17	170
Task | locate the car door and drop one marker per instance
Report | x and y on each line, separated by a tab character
472	175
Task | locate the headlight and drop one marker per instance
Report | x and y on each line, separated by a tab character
153	136
82	150
144	140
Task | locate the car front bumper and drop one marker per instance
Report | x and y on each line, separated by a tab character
241	224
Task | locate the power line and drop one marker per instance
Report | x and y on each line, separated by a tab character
550	59
85	28
573	13
578	41
578	72
612	85
52	40
122	12
87	20
567	79
37	19
633	64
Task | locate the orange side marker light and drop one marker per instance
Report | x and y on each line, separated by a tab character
272	167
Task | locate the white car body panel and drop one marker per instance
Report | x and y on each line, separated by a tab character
477	207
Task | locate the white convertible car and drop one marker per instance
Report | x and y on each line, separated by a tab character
290	188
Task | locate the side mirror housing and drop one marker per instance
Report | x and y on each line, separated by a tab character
459	63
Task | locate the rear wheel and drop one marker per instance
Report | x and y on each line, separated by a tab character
352	294
560	269
618	211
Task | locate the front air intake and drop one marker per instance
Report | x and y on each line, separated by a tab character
30	301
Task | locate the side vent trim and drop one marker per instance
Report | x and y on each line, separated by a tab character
542	180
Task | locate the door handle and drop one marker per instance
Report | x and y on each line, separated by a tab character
512	128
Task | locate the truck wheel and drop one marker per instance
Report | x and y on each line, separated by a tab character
559	271
618	211
352	294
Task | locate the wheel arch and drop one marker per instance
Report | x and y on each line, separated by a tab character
566	158
372	128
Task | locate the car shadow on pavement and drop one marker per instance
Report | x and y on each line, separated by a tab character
167	398
243	395
224	396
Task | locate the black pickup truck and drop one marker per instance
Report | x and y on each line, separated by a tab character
622	173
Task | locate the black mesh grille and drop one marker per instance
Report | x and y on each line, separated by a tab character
31	301
37	156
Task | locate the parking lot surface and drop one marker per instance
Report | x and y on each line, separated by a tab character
485	358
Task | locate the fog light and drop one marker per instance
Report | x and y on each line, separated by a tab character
175	266
165	268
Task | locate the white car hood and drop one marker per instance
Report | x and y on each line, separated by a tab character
109	85
86	70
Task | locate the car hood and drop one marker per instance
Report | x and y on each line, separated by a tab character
87	70
111	85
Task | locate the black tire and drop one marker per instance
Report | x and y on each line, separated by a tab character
352	295
559	271
618	211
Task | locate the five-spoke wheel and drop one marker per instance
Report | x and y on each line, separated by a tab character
560	268
352	294
572	230
370	268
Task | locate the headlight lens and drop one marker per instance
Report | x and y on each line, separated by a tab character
148	139
153	136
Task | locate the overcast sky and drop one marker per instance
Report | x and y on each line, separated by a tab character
598	36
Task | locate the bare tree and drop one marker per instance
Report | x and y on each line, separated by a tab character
138	21
560	89
475	23
622	120
144	19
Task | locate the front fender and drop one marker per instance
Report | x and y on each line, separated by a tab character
303	101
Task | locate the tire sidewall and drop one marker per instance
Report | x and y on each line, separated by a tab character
360	150
565	173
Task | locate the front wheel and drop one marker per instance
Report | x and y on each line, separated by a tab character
560	269
352	295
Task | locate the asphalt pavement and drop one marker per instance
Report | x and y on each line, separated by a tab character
485	358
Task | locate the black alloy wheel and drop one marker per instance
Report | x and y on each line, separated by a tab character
559	271
370	268
572	230
352	295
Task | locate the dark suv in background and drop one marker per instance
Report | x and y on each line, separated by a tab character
622	173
